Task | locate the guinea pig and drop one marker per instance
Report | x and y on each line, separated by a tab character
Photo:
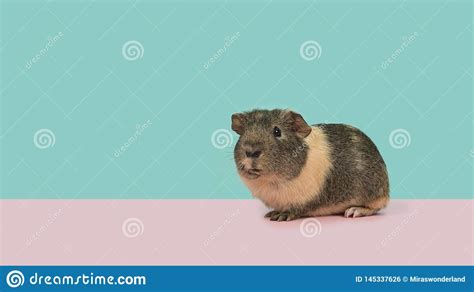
299	170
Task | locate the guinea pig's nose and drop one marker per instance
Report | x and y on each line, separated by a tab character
253	154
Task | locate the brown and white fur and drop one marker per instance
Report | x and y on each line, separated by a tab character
300	170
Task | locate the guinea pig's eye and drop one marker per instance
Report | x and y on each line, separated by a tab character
276	132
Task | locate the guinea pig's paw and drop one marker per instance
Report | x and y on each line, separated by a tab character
281	216
271	213
358	212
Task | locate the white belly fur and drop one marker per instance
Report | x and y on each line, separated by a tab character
281	194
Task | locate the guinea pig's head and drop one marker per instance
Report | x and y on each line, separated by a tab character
271	143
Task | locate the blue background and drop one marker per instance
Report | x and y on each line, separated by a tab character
369	72
245	278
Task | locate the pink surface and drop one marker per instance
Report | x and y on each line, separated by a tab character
229	232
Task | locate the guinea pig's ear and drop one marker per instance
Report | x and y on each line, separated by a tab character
298	124
238	123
